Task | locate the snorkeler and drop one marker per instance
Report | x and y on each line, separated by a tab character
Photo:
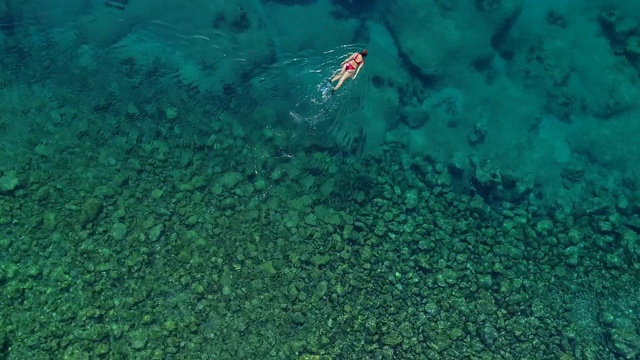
350	67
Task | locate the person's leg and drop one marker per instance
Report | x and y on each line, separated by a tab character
344	77
339	75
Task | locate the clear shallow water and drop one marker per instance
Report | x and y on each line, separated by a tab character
174	185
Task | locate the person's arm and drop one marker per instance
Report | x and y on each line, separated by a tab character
357	71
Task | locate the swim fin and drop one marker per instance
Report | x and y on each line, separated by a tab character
325	88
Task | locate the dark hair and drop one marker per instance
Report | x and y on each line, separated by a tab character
364	52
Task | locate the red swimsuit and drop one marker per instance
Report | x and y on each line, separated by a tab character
349	66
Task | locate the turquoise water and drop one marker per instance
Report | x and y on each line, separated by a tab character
175	185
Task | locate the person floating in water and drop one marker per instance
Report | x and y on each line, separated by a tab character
348	68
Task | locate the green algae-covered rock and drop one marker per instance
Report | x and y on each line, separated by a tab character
49	220
332	218
439	342
170	325
301	202
119	231
624	339
633	46
318	260
155	232
228	203
311	219
44	150
267	268
327	187
392	339
230	179
8	182
485	282
488	333
138	339
486	304
260	185
544	225
292	219
90	210
321	289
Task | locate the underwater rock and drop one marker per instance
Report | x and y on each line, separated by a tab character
170	112
572	254
597	206
8	182
524	186
487	176
623	205
44	150
414	117
633	46
230	179
132	110
392	339
544	226
319	260
437	37
138	339
91	208
633	223
331	218
478	135
49	221
425	37
412	199
623	339
488	334
228	203
156	231
445	106
573	172
458	164
485	303
619	29
311	220
328	187
119	231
